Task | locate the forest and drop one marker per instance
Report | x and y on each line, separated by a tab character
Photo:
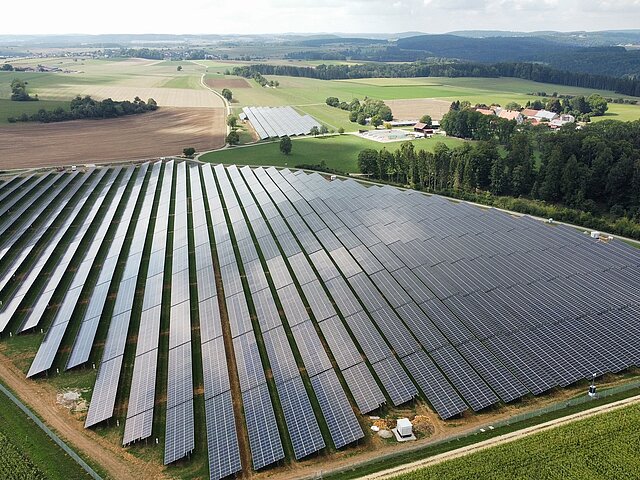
525	71
87	107
589	176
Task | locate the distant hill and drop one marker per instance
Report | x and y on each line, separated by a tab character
486	50
578	38
610	60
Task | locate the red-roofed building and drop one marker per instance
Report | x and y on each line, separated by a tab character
511	115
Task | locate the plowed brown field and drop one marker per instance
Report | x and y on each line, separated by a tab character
162	133
415	108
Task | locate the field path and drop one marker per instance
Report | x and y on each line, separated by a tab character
502	439
41	399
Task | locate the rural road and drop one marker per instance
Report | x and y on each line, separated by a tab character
502	439
41	399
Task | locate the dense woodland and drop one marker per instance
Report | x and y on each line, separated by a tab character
589	176
87	107
526	71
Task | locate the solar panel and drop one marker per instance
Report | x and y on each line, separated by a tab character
310	347
342	422
222	440
264	438
302	426
179	439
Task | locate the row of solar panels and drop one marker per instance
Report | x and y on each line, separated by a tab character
271	122
391	282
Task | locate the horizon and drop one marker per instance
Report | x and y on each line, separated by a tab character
356	16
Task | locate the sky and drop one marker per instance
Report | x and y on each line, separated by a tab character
311	16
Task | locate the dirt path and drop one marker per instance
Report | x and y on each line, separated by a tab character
507	438
41	399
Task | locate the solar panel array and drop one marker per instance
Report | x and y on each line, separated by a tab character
271	122
321	298
180	436
141	402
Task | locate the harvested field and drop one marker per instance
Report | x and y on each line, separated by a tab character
220	83
166	97
415	108
164	132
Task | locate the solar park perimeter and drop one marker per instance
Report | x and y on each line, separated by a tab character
312	301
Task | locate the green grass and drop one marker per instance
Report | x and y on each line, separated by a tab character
339	152
15	109
27	452
602	447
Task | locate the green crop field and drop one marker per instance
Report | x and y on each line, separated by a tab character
26	452
339	152
15	109
604	446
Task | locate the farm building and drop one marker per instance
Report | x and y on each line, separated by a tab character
424	128
305	302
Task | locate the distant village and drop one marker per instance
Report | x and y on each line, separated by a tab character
529	115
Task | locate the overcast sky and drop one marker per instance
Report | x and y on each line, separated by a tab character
306	16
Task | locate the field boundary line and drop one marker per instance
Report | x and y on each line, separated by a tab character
68	450
502	439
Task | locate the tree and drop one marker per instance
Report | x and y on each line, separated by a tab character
189	152
333	101
7	67
285	145
341	130
368	162
323	130
427	120
179	68
314	131
227	94
232	121
233	138
513	106
376	121
361	119
597	104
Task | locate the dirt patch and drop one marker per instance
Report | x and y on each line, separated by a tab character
164	132
220	83
415	108
72	400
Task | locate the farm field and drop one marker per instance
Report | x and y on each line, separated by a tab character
14	109
604	446
164	132
306	92
338	152
27	453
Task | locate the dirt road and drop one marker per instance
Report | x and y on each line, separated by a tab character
509	437
41	399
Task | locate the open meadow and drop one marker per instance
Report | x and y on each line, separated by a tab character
338	152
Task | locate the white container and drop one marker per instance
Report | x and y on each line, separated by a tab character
404	427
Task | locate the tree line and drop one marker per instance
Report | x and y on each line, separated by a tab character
359	111
87	107
589	176
525	71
